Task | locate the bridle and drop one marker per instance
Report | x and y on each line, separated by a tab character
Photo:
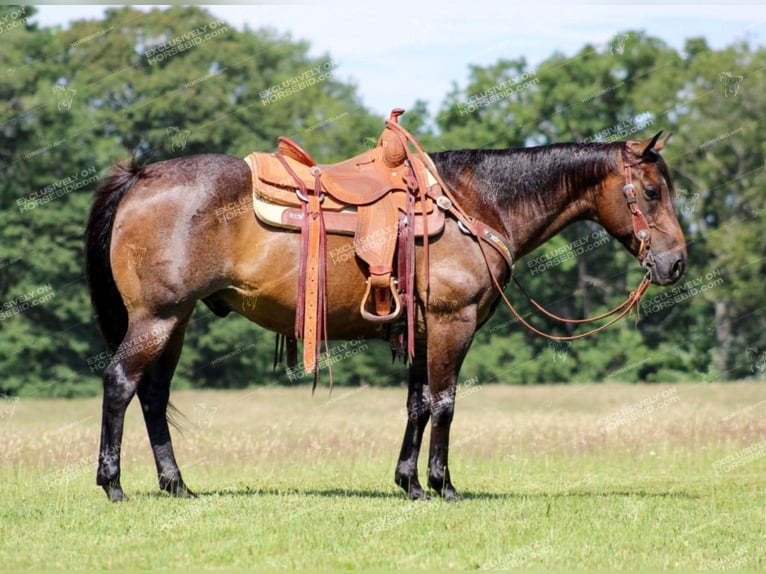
640	225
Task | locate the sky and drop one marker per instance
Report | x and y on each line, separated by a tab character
397	52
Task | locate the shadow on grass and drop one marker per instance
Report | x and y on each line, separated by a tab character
465	495
594	493
327	492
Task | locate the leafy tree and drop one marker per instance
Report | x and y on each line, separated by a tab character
722	197
168	83
177	81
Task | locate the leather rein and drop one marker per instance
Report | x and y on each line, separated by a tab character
485	235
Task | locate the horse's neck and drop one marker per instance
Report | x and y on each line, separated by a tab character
529	195
530	230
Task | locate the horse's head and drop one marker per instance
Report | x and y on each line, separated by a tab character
636	207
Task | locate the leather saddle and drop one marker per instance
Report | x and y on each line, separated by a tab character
378	196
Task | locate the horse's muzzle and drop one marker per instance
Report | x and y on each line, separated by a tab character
665	268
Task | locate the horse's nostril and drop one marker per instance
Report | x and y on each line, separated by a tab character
678	268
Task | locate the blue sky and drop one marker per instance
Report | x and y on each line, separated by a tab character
397	52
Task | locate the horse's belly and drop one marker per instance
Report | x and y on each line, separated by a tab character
271	300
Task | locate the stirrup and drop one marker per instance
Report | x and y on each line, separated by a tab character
381	318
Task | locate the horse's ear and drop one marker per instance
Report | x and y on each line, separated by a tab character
660	145
653	144
649	145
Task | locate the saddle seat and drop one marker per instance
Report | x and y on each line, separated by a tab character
360	180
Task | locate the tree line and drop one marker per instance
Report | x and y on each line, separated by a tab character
179	81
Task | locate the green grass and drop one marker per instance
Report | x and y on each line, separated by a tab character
290	481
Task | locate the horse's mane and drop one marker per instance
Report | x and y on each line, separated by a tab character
528	177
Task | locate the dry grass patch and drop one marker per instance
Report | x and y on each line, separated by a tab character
606	476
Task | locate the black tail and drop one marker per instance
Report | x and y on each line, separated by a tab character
108	307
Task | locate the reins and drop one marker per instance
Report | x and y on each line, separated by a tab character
486	234
622	309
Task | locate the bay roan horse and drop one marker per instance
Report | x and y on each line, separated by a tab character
157	243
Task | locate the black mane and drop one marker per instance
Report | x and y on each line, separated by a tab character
528	177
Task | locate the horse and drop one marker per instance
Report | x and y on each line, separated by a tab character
162	236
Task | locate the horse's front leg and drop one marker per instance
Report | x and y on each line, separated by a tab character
418	413
448	343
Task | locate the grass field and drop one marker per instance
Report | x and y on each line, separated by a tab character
596	476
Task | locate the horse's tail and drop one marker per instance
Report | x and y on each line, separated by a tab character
108	307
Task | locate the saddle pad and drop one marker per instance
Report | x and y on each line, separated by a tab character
340	222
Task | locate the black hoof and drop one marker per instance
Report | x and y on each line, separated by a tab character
417	493
114	492
185	493
412	487
176	487
181	492
446	491
450	495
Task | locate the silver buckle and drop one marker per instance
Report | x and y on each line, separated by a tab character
444	203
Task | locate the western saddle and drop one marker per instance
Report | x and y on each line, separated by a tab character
384	197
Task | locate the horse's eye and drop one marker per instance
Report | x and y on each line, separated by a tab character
652	192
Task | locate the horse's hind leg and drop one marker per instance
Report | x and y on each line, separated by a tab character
154	392
418	412
142	345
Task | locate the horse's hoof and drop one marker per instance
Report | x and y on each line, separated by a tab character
446	491
114	493
176	488
180	492
185	493
450	495
412	487
417	494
